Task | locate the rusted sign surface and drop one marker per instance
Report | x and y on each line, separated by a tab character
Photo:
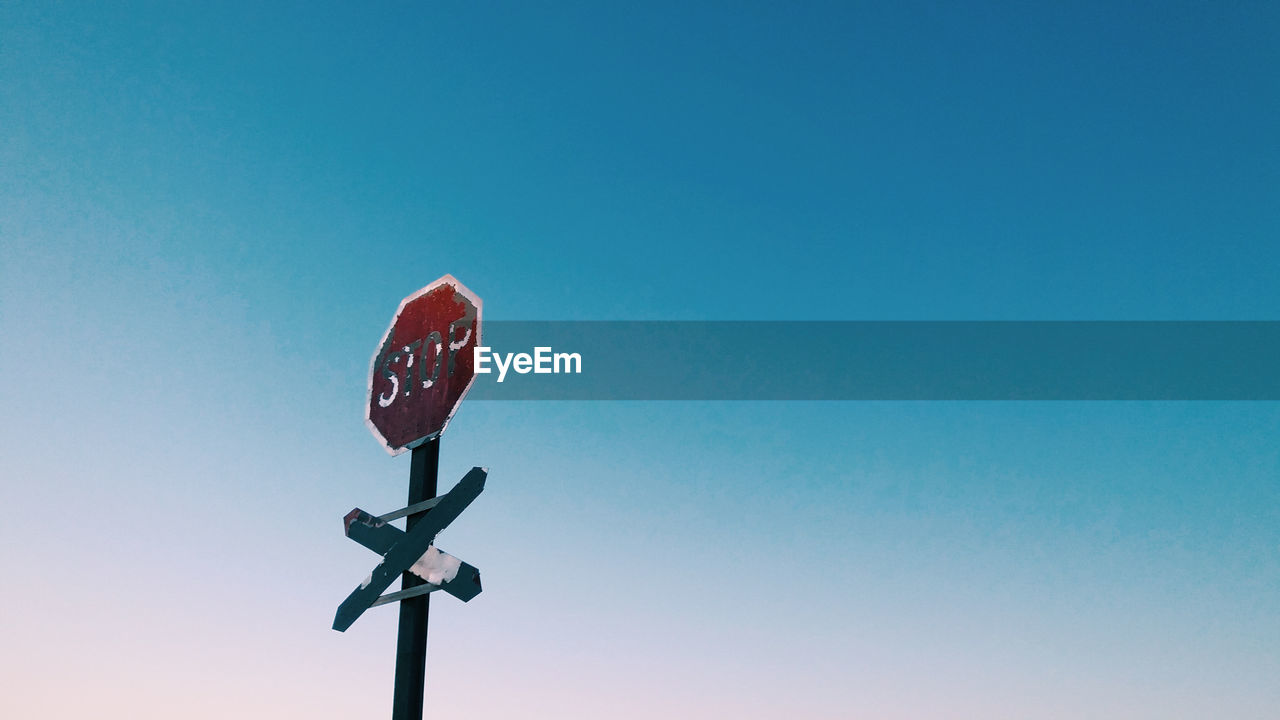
424	365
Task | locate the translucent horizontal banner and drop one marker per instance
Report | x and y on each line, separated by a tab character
878	361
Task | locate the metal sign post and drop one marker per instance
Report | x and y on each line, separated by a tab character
411	640
417	378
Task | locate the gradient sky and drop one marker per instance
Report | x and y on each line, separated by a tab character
209	212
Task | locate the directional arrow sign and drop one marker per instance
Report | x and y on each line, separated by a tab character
446	572
410	548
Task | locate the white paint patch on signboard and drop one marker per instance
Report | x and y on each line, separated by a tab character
436	567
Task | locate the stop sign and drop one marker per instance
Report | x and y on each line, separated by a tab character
424	365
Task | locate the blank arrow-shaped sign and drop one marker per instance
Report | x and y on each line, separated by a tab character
412	551
440	569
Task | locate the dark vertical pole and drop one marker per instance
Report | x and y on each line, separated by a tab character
411	644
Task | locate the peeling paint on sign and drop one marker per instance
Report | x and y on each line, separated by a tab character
436	567
424	365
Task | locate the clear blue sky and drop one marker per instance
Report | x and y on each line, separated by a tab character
209	212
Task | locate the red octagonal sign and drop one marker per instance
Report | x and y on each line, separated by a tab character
424	365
